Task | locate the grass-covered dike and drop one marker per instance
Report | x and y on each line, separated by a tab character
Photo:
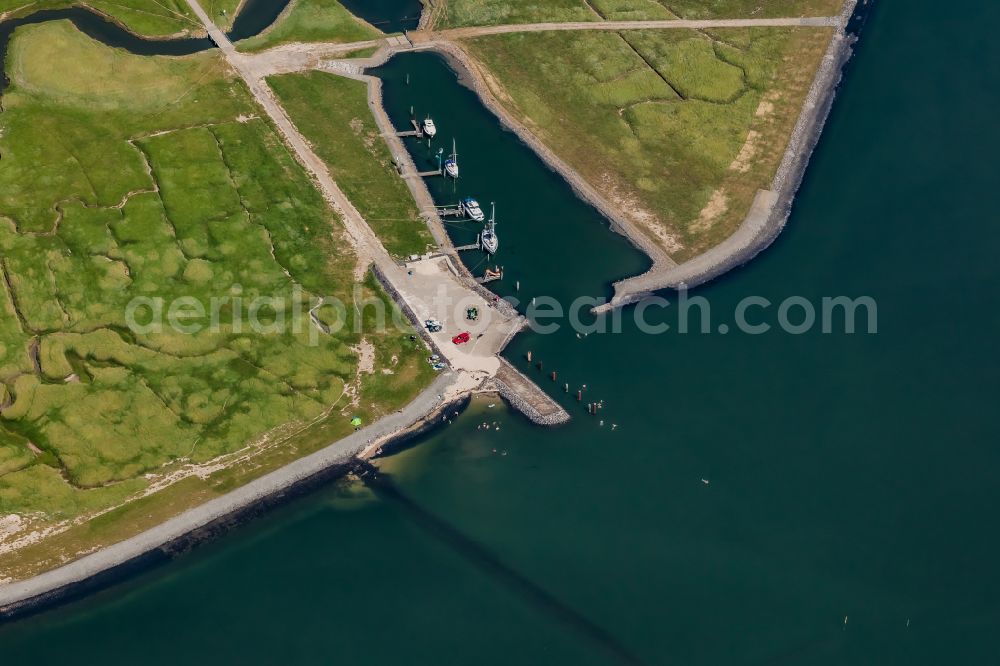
312	21
678	129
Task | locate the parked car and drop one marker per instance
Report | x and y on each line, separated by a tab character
439	366
433	325
461	338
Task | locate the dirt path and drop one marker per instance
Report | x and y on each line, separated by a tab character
672	24
302	56
298	57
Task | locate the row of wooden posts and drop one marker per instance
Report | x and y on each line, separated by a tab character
592	407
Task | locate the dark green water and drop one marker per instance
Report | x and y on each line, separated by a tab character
850	475
254	16
550	241
389	16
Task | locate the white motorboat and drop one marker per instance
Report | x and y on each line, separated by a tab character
470	208
430	129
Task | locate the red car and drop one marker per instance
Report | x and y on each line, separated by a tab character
461	337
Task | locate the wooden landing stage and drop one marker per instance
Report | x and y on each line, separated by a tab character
417	130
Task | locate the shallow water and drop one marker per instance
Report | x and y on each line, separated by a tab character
852	477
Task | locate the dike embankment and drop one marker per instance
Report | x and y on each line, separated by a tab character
113	563
771	208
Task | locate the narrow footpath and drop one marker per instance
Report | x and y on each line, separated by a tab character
302	56
668	24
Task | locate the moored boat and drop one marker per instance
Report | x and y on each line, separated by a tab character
451	164
470	208
488	240
429	128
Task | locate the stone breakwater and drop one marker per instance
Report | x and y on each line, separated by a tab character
771	208
524	396
103	567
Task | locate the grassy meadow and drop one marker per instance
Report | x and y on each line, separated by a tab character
679	128
125	177
312	21
144	17
332	112
461	13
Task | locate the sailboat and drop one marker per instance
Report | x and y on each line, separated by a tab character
488	240
430	129
451	164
